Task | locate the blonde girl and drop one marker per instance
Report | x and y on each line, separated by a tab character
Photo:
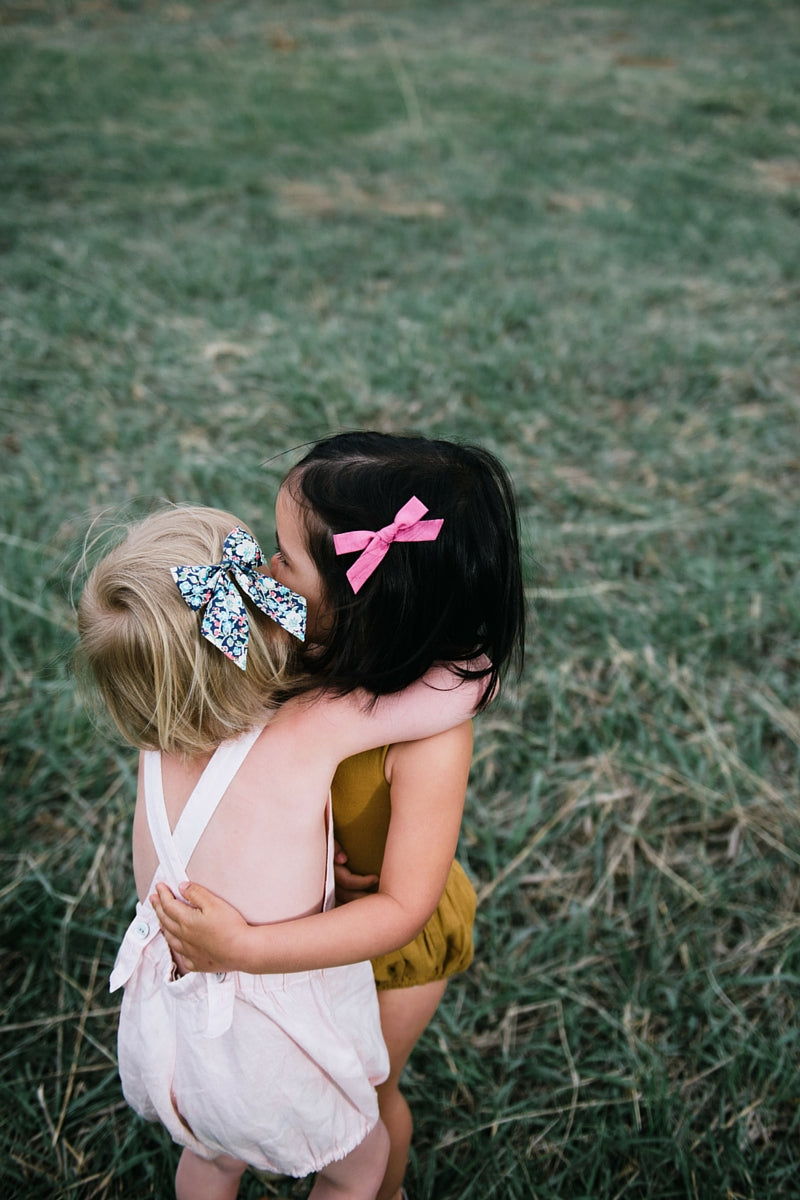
193	649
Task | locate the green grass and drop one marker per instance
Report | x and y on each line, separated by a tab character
569	231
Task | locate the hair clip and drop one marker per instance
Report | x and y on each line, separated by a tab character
225	622
407	526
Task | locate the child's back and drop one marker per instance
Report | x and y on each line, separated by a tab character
265	845
264	850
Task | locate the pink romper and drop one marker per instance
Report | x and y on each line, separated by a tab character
275	1070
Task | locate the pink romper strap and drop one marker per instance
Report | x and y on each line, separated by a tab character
174	848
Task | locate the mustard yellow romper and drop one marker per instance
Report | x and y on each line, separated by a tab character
361	811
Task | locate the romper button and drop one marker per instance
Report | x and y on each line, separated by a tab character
141	929
219	976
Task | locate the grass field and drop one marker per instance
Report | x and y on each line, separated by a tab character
566	230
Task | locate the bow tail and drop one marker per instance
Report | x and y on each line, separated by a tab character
225	622
285	607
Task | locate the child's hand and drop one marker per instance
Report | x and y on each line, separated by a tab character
348	885
202	933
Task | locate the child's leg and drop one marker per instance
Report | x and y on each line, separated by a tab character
405	1012
207	1179
357	1176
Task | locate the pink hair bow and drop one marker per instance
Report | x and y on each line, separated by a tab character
407	526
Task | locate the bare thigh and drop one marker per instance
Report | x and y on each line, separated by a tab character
358	1175
405	1014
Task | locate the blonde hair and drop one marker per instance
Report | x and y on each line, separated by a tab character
141	651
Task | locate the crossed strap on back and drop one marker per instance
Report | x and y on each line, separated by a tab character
174	849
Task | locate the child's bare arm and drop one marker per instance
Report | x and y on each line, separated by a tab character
428	785
438	702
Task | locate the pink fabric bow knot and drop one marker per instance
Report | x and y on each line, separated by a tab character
407	526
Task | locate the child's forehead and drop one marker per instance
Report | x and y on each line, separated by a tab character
289	521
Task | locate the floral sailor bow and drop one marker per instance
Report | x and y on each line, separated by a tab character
225	622
407	526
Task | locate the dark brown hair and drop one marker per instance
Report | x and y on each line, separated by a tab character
458	598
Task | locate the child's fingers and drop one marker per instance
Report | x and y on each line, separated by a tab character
196	895
352	882
181	953
184	962
162	901
162	898
165	898
352	887
167	904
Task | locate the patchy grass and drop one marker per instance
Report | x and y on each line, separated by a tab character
568	231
